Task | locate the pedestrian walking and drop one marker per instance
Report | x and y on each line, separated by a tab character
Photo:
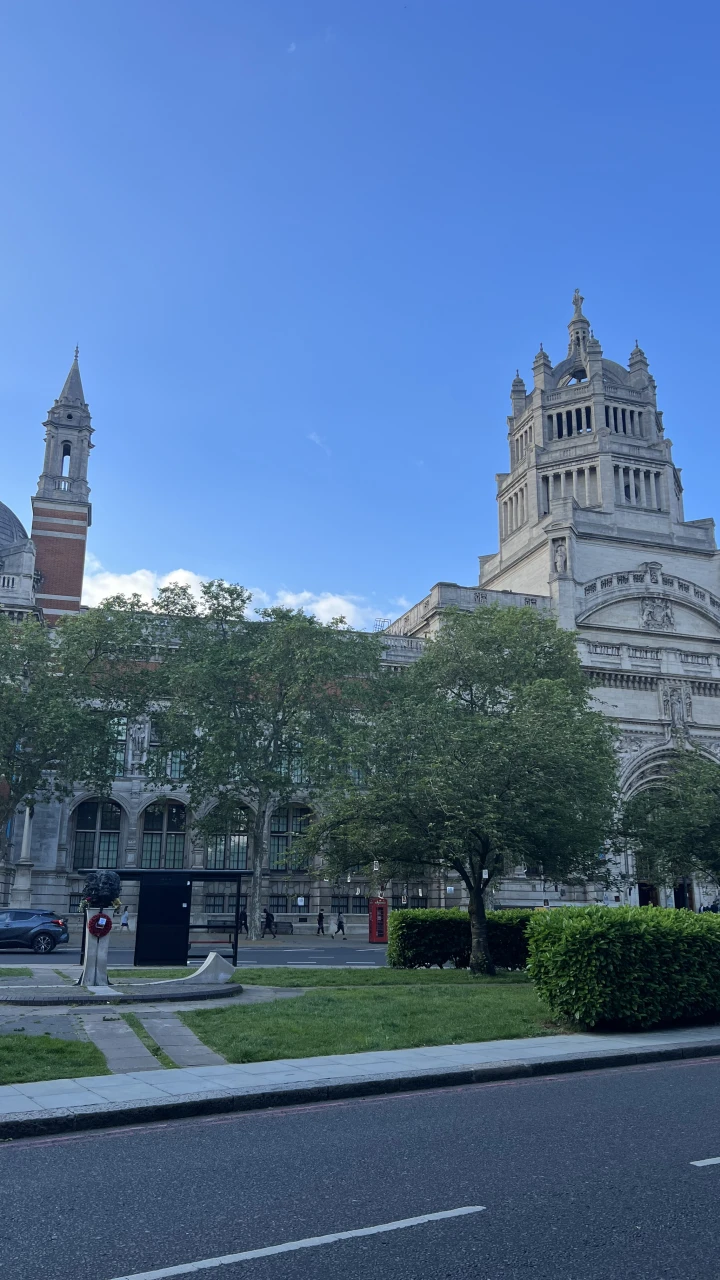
242	922
321	922
340	926
268	923
125	919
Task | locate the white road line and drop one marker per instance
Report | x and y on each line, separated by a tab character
189	1268
699	1163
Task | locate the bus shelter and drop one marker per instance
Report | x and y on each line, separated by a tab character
163	920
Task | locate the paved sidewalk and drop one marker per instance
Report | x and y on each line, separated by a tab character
123	1050
54	1106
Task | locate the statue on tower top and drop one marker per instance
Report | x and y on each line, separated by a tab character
577	303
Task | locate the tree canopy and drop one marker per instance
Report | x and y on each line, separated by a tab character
482	756
61	694
261	709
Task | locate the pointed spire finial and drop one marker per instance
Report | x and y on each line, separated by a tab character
541	346
77	351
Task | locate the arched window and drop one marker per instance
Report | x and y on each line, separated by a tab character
285	824
229	851
97	834
66	451
163	842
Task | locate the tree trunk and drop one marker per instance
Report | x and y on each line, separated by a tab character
255	903
480	959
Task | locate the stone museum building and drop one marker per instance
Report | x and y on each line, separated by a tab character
591	530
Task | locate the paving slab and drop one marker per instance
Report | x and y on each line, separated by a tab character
179	1042
122	1048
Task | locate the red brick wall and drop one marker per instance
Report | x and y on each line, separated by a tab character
61	561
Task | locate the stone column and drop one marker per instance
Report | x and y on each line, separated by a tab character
21	891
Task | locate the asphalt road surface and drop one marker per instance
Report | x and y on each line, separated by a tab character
573	1177
271	953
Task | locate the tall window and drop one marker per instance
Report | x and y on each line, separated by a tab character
359	904
163	843
97	834
230	852
285	824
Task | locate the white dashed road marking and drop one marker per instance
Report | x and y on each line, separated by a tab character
189	1268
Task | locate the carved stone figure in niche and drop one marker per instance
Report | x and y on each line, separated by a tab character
677	708
657	614
560	556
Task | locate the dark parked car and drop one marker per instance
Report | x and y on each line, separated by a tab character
39	930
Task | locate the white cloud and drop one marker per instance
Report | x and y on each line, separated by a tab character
100	583
318	440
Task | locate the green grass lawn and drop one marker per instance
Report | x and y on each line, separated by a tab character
290	977
370	1017
297	977
160	975
25	1059
15	973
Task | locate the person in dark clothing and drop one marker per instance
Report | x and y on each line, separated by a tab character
242	922
339	926
321	922
268	923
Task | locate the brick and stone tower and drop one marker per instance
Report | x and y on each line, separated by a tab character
61	507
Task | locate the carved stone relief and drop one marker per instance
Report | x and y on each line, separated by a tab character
656	614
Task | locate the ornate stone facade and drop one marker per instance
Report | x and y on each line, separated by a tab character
591	527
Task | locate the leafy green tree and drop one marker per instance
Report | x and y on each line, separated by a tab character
673	827
482	756
61	693
261	709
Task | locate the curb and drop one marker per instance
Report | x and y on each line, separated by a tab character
71	1001
111	1115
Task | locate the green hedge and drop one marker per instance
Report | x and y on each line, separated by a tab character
421	939
626	966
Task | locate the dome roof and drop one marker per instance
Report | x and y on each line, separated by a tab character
11	530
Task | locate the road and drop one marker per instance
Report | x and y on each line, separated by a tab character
584	1177
278	952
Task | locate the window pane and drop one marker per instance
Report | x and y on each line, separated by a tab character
359	905
153	820
300	820
231	903
215	903
86	815
278	902
176	817
75	899
339	904
176	764
279	820
84	849
216	853
110	817
237	852
151	846
278	853
108	849
174	850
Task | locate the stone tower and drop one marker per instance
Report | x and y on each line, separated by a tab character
61	507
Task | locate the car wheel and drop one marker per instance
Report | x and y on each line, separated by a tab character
43	943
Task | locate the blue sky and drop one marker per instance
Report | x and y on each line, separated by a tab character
304	245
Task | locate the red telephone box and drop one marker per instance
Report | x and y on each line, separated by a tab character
378	920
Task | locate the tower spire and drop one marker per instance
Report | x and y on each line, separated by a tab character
72	392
